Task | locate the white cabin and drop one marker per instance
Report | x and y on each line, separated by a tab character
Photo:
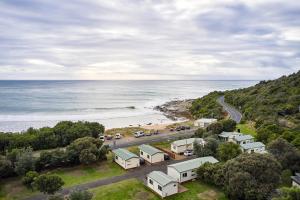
180	146
126	159
162	184
204	122
296	180
151	154
254	147
243	139
229	136
187	170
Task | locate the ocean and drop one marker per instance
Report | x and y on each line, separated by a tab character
25	104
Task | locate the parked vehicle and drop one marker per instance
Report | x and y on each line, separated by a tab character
171	129
156	132
148	134
187	127
102	138
109	137
142	161
166	156
118	136
188	153
178	128
139	134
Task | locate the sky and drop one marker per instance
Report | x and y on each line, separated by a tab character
149	39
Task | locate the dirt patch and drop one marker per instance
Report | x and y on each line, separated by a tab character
208	195
142	195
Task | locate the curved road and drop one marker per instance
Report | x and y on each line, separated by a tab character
233	112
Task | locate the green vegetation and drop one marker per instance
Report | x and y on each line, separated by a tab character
207	106
60	135
135	190
247	128
48	184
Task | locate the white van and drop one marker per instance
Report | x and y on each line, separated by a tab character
139	134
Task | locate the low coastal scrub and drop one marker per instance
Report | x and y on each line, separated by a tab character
61	135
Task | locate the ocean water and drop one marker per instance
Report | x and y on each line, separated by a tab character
25	104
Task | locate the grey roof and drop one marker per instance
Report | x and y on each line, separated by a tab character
206	120
187	141
227	134
296	178
161	178
124	154
252	145
149	149
243	137
192	164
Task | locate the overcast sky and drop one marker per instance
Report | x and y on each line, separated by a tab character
143	39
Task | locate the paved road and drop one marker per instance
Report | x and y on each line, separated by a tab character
139	173
127	142
233	112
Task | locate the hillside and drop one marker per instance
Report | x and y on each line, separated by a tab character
272	105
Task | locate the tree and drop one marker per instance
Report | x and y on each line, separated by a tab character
286	154
80	195
86	146
209	149
6	168
215	128
228	150
199	132
48	184
211	173
29	178
292	193
228	125
251	176
24	161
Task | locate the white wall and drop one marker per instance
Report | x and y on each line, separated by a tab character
181	149
167	190
173	173
131	163
158	157
192	174
295	184
256	150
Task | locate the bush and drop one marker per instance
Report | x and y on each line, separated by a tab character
80	195
48	184
29	179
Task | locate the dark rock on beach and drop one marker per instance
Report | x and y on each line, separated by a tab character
176	109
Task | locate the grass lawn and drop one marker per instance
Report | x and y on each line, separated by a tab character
83	174
247	128
135	190
12	189
164	144
134	149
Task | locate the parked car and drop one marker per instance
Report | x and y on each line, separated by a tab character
187	127
171	129
118	136
139	134
188	153
178	128
148	134
142	161
109	137
102	138
156	132
166	156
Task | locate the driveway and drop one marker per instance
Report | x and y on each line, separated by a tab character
233	112
139	173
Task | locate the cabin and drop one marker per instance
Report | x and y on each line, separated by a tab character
204	122
151	154
126	159
243	139
180	146
187	170
162	184
296	180
228	136
254	147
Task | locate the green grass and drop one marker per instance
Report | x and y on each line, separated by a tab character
13	189
164	144
135	190
134	149
126	131
83	174
247	128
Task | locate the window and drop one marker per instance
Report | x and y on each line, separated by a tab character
142	153
116	157
159	187
148	156
150	181
184	174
